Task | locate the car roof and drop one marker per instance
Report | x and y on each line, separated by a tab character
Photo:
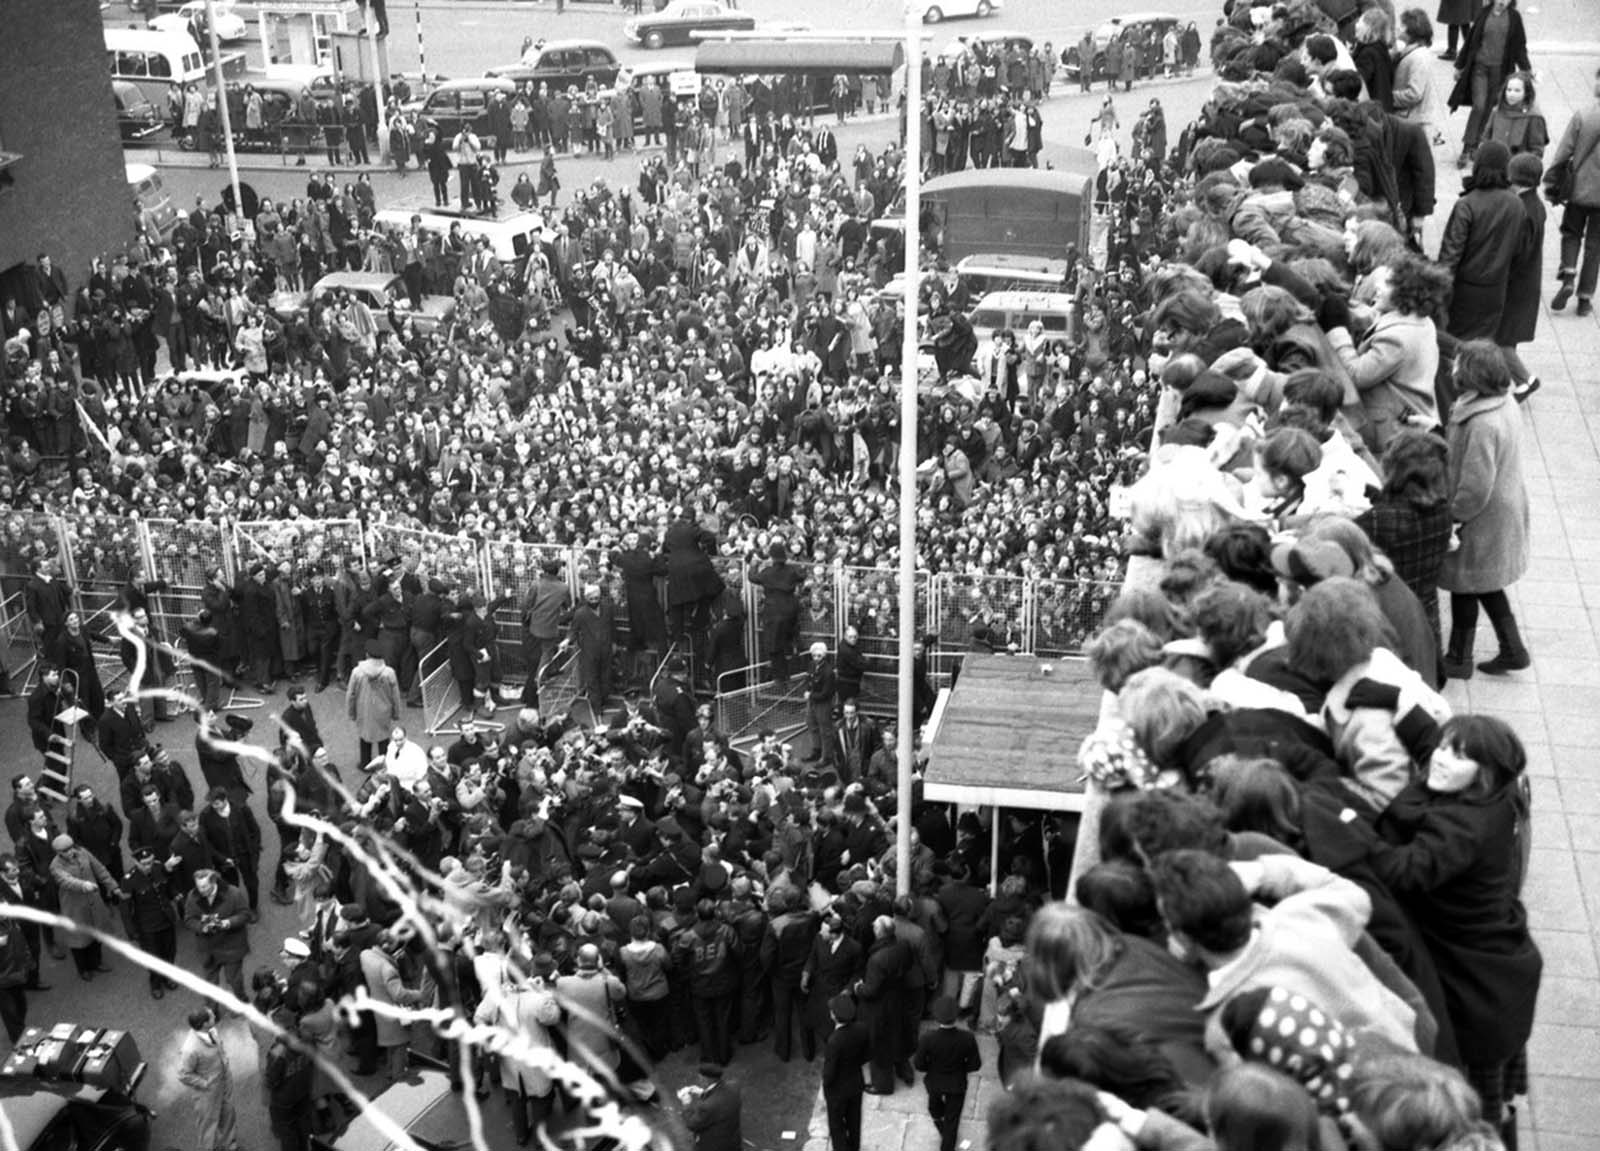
1015	301
380	280
1010	262
574	43
499	82
1141	18
138	173
425	1107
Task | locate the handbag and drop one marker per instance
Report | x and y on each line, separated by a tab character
1560	180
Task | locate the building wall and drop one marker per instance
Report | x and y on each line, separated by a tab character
69	192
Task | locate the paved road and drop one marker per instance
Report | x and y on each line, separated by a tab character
463	37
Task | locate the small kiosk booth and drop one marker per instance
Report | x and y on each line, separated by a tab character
1007	736
298	35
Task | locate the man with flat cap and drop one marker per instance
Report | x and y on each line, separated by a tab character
712	1111
946	1056
846	1052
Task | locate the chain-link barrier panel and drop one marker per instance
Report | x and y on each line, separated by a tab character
1067	613
512	568
25	538
182	554
307	544
819	610
103	553
984	611
747	703
441	699
457	560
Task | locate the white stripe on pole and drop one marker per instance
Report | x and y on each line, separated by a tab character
908	443
422	56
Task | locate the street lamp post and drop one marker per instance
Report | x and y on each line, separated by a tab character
222	106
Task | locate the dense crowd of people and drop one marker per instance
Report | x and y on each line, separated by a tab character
1290	916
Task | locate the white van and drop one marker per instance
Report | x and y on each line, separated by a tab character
158	216
1006	271
511	238
1057	311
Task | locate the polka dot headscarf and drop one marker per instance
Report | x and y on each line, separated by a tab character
1289	1033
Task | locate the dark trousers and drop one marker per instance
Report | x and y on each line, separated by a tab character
844	1120
540	651
713	1023
288	840
787	1002
88	957
364	1040
528	1112
778	633
411	669
654	1017
162	944
1580	233
1486	81
13	1011
320	652
370	751
752	1005
913	1000
945	1108
412	275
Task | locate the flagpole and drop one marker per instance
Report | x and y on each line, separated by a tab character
908	448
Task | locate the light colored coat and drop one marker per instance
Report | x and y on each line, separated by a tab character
1488	497
1581	141
81	880
587	999
372	701
1393	370
1305	943
384	985
1416	92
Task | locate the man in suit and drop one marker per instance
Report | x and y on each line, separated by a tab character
946	1056
713	1112
847	1051
854	742
821	684
123	738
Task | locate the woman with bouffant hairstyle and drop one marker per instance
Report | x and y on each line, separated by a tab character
1394	365
1489	503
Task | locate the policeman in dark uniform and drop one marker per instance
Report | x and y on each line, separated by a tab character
780	622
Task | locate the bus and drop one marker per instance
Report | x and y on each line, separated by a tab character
159	62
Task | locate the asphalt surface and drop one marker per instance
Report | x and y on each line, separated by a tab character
779	1096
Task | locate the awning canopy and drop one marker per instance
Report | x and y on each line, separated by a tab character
1009	733
736	57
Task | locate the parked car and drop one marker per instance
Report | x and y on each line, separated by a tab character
681	21
374	289
137	118
999	39
562	64
50	1118
459	102
1154	24
934	11
231	24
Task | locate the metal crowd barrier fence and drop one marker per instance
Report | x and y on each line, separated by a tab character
440	699
99	554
